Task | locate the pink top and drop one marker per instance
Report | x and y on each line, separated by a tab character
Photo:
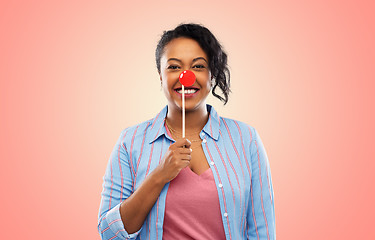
192	209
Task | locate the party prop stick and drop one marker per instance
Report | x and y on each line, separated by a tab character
187	78
183	111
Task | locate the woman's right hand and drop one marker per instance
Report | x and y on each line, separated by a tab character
176	158
137	206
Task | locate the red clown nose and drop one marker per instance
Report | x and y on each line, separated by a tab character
187	78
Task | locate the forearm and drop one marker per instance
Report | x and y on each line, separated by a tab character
135	209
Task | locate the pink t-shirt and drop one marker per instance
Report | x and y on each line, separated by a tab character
192	209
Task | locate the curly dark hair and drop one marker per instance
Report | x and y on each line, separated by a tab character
217	58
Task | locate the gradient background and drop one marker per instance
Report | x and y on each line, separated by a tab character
75	73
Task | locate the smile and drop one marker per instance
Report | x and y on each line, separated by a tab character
190	92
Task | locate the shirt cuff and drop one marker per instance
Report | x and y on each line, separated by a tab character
116	225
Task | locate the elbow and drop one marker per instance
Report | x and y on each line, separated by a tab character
104	229
100	230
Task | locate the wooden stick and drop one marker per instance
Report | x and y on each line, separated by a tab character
183	111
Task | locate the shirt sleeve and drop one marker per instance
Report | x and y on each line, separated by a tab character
261	210
117	186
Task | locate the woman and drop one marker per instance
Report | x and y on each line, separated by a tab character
213	184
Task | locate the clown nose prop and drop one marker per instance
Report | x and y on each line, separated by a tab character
187	78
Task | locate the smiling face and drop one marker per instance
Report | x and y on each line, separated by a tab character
185	54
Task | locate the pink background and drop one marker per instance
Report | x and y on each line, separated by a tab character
74	74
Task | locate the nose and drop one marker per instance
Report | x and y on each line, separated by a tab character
187	78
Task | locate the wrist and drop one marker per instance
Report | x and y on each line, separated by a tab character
158	177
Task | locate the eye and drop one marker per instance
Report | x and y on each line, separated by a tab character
173	67
199	66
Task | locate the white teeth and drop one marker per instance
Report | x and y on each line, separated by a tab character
188	91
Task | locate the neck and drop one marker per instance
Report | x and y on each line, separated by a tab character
195	119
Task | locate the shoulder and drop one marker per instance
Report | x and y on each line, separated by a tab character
237	129
135	133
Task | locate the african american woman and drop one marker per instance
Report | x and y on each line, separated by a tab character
213	184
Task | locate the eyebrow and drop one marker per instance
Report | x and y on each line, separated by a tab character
195	59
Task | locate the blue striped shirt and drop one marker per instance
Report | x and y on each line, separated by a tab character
235	154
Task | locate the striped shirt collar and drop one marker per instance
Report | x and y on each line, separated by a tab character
211	128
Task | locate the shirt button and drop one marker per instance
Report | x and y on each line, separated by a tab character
204	140
202	134
220	185
225	214
212	163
